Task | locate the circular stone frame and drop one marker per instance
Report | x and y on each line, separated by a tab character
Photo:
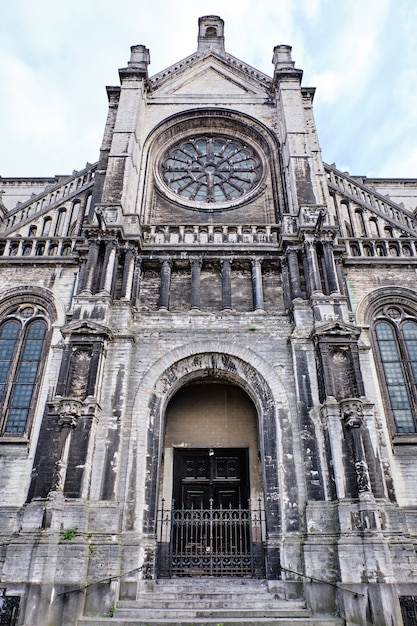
211	169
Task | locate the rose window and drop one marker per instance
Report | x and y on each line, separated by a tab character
211	169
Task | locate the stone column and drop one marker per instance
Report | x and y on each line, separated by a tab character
226	285
286	283
330	267
137	272
352	414
91	264
294	273
195	284
108	266
165	285
257	289
313	274
128	270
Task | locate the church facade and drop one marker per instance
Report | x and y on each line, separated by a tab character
208	365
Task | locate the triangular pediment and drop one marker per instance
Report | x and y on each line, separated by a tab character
86	327
211	76
336	328
210	80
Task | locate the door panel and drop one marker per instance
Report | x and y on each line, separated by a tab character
216	475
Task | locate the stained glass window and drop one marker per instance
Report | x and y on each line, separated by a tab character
211	169
397	343
21	345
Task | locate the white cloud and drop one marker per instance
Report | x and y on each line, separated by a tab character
56	58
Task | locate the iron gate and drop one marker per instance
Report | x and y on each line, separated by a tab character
210	542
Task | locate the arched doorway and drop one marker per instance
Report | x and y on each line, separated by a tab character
211	518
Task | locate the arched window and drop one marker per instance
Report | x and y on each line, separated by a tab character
59	226
22	339
46	226
396	336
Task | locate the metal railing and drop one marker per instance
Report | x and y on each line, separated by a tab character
211	542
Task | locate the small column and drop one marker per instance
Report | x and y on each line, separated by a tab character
94	368
294	273
313	275
257	289
165	285
352	413
91	264
128	270
286	283
137	272
330	267
108	266
195	284
226	285
82	274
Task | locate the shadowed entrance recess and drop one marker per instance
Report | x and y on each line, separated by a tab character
214	525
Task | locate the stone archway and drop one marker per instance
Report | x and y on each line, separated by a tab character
218	366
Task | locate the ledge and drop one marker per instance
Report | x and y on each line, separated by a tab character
405	444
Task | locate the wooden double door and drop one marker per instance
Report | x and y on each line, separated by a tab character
215	478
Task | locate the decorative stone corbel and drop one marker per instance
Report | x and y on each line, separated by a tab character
69	412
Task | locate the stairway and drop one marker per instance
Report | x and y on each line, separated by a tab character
211	602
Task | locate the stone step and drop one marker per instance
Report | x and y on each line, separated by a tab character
208	603
217	614
266	621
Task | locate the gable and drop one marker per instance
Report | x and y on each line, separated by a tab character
212	77
210	81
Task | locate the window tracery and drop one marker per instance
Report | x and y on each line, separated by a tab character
211	169
395	331
23	333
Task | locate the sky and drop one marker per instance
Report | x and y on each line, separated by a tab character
57	57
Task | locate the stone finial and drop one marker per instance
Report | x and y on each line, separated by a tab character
138	64
283	63
282	57
210	33
139	57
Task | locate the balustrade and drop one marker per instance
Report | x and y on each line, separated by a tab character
57	194
393	248
376	202
208	234
37	247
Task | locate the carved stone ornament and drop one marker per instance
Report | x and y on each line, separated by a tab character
69	412
313	215
352	412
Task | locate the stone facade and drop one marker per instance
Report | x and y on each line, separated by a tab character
210	287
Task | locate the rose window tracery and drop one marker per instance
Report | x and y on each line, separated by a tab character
211	169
